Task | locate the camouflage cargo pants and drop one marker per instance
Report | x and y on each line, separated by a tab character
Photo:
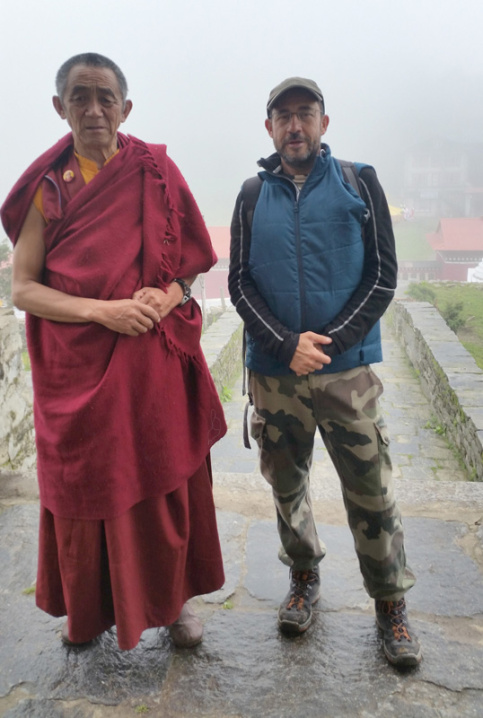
344	406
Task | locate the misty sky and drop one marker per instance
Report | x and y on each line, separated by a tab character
393	73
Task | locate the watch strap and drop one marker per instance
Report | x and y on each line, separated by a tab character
186	291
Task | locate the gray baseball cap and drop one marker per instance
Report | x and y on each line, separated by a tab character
292	83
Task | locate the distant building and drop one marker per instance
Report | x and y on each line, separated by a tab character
443	178
417	270
458	244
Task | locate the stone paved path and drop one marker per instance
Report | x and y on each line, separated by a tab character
244	668
419	452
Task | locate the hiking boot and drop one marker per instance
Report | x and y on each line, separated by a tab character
400	645
187	630
295	612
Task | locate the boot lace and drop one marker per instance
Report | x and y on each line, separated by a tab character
301	583
396	611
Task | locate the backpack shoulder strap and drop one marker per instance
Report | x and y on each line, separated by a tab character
252	186
351	174
250	192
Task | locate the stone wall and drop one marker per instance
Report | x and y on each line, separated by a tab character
222	347
17	444
449	376
221	344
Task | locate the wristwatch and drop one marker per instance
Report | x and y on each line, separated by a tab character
186	291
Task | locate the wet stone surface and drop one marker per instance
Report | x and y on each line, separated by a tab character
439	562
232	528
44	709
268	579
244	667
338	665
449	582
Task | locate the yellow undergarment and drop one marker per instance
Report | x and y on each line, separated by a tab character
88	169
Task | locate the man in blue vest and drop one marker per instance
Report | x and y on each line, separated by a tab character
313	268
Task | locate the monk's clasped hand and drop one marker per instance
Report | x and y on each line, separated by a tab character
163	301
127	316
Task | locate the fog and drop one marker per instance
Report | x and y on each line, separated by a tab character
393	74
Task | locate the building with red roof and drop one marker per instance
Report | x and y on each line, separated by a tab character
458	243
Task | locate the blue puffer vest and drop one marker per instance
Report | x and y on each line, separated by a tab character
306	257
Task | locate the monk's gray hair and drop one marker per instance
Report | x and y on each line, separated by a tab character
91	59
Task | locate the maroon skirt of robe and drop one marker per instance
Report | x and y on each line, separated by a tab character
135	571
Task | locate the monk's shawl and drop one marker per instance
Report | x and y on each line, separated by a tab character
118	419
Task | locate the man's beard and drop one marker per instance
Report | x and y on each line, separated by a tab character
304	161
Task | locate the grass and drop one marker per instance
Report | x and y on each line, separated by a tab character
411	242
470	296
435	426
225	394
476	351
26	361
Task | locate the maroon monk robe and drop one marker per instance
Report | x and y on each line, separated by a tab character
118	419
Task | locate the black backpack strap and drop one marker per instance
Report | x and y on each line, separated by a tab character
246	437
252	186
250	193
351	175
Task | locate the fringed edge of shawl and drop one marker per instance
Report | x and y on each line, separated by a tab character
218	426
187	357
153	164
